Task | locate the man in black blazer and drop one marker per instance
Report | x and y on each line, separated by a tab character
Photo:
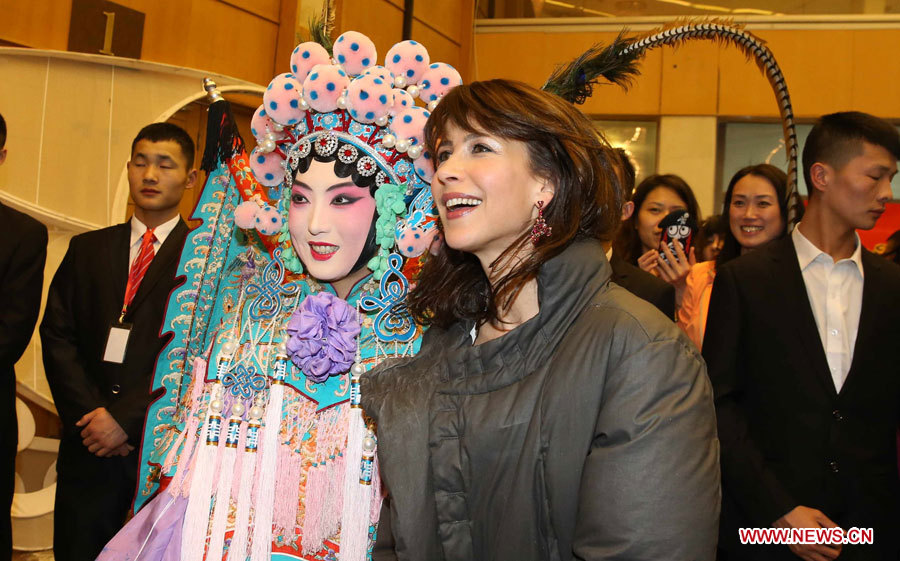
634	279
101	337
23	251
801	346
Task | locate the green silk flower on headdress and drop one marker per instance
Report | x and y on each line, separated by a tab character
389	201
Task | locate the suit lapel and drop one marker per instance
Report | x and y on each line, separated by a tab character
118	251
872	286
168	251
796	303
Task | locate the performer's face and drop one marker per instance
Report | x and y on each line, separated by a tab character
329	220
658	203
485	191
754	215
158	174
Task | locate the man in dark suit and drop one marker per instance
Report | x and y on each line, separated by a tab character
101	337
634	279
801	347
23	251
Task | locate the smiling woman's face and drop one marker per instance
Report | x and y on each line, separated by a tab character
329	220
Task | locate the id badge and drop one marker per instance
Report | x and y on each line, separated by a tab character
117	342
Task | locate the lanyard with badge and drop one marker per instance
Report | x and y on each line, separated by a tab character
119	331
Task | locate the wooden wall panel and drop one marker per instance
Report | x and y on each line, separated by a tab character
242	47
266	9
440	48
816	65
532	57
445	17
689	84
875	80
827	70
380	20
40	25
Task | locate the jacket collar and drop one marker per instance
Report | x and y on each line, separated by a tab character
566	285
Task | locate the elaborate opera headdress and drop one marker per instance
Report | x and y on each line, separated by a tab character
342	105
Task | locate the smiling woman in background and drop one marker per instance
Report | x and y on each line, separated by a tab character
566	418
756	210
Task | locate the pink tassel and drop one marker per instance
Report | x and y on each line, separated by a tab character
199	366
357	497
196	518
238	461
261	542
223	493
377	495
314	498
237	551
281	516
198	375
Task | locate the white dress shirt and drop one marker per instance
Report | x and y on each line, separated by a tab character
137	233
835	294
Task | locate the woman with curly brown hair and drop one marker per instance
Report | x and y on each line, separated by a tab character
550	414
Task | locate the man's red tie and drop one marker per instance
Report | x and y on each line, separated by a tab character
139	267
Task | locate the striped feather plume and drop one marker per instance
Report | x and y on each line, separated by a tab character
575	81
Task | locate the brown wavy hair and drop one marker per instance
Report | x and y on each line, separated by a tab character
565	149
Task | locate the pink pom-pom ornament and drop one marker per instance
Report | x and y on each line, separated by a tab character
261	123
267	167
409	125
305	56
268	221
439	79
355	52
324	86
281	100
402	101
408	59
369	97
424	166
245	215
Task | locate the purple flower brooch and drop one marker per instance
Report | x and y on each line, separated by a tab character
322	336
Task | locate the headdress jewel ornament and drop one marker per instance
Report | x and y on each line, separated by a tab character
366	115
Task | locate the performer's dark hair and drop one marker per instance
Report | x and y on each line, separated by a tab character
628	243
343	170
161	132
2	132
778	180
563	148
838	137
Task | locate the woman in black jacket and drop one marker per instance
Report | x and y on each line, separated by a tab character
550	414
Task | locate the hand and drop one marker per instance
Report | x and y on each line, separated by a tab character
649	261
122	450
675	268
102	435
805	517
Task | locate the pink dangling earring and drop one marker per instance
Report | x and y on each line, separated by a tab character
540	228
